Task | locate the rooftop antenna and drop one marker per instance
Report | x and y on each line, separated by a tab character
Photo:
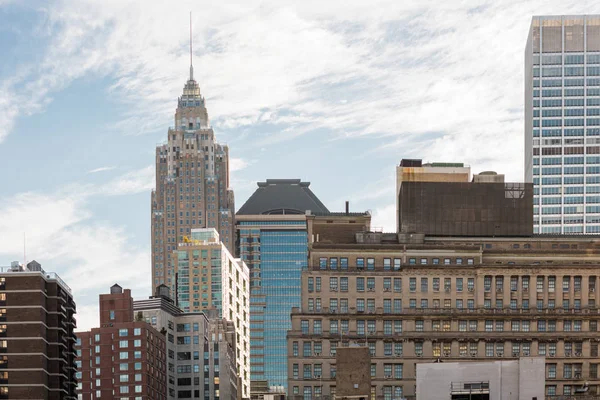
191	64
24	249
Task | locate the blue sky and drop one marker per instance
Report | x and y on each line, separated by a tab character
333	92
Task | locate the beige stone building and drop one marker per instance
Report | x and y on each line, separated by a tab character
411	298
192	184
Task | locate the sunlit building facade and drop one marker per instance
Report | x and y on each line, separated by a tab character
207	278
192	183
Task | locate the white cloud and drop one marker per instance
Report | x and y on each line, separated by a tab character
237	164
137	181
395	70
65	237
100	169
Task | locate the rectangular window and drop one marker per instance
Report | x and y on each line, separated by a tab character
412	284
397	285
487	283
360	284
459	284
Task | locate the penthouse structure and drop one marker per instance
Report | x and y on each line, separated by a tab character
37	339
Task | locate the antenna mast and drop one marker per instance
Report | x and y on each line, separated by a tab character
191	64
24	250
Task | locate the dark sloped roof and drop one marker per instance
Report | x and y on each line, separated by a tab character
282	196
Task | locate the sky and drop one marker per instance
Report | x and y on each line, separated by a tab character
335	93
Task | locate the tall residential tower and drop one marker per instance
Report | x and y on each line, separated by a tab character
562	123
192	183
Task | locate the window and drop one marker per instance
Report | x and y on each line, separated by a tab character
470	284
419	325
551	371
123	355
122	344
112	314
344	284
370	264
397	285
333	284
424	285
360	284
123	332
304	326
487	283
566	283
137	331
459	285
436	284
412	284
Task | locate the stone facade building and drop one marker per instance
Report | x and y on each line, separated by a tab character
37	339
192	184
414	298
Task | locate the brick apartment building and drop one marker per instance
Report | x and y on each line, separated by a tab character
37	354
122	358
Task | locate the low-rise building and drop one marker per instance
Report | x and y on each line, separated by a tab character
519	379
201	351
122	358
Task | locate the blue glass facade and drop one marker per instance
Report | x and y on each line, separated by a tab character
276	252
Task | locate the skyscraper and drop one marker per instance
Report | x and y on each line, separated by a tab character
562	123
274	227
192	183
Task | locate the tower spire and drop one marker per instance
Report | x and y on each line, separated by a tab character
191	63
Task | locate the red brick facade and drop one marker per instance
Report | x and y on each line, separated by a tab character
123	358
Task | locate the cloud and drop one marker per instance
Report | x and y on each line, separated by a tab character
100	169
237	164
65	237
444	79
132	182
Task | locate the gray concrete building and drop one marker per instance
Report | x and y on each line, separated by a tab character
201	349
520	379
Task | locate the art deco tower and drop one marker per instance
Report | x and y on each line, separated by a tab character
192	183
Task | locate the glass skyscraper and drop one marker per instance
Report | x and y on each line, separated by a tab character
273	241
562	123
